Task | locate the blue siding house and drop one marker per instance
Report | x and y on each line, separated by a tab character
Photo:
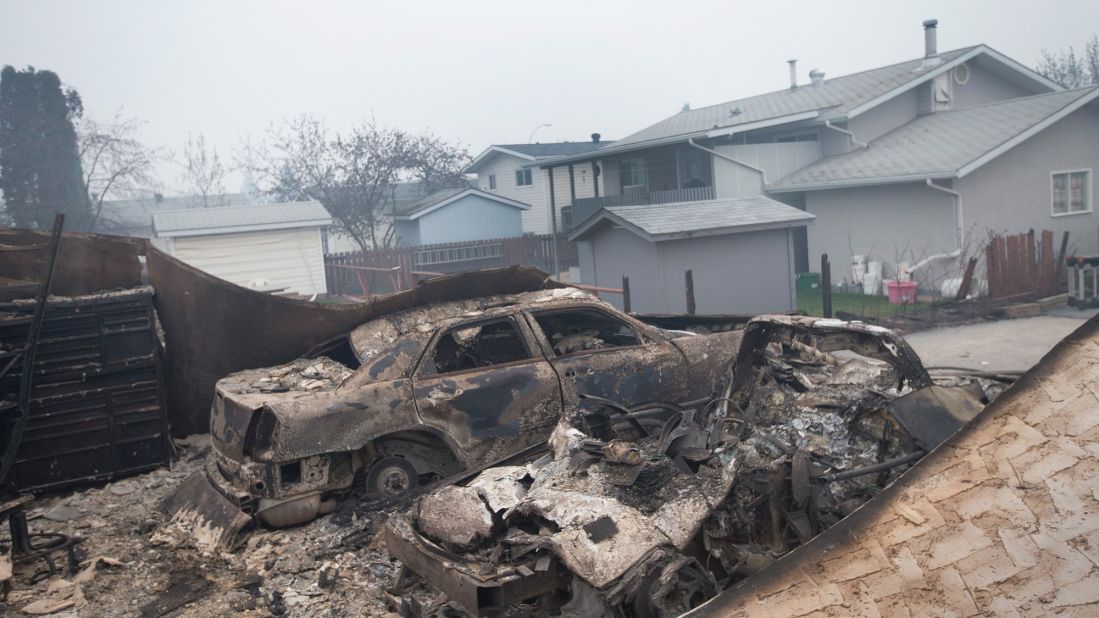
458	215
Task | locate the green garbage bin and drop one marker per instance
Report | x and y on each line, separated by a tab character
807	281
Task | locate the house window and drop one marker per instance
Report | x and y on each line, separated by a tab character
1071	192
633	173
492	182
523	178
566	219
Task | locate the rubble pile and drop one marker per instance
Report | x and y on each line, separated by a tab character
652	509
133	565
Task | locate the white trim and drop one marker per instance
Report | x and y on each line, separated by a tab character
861	182
949	66
1027	134
472	167
1088	186
457	196
261	227
614	218
674	139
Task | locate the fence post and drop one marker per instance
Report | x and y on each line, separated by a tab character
689	275
967	280
826	285
625	293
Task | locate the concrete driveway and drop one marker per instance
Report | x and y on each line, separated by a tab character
1004	345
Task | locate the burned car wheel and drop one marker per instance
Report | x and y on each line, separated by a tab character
392	477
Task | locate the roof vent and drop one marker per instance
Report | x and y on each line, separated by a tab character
595	137
930	44
793	73
816	76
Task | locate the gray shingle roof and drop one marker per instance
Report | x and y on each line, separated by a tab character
196	221
424	202
554	149
836	95
936	145
408	209
721	216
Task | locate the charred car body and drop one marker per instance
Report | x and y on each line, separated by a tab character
813	419
433	390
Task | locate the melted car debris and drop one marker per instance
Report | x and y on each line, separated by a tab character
646	522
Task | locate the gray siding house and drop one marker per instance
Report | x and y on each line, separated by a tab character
913	162
513	171
740	252
457	215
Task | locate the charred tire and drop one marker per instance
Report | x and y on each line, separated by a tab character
392	477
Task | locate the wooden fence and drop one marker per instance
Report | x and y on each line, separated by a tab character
1022	264
399	268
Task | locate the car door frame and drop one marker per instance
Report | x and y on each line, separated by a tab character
648	335
464	434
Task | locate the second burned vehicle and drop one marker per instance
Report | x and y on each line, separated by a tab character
429	391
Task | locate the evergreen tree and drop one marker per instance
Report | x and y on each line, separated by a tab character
40	171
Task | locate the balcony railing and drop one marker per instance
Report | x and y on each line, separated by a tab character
585	208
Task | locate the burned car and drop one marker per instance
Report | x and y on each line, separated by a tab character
812	419
427	392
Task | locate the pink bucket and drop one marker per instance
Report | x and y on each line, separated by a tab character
901	292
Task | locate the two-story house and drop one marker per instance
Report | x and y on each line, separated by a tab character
902	164
514	171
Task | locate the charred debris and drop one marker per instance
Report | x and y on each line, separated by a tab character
782	427
654	516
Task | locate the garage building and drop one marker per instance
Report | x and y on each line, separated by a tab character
271	247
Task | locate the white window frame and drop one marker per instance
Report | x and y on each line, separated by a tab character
524	177
492	182
1088	187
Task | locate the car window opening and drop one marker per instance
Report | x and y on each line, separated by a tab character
339	350
483	345
575	331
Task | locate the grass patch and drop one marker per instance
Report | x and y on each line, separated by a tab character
875	307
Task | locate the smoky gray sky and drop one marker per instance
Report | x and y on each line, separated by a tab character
480	72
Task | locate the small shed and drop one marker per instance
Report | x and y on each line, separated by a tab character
740	253
272	247
458	215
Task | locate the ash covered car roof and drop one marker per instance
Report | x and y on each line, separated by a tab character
412	327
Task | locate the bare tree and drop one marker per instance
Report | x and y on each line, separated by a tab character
203	171
354	175
1072	70
116	164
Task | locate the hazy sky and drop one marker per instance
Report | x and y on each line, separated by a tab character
481	72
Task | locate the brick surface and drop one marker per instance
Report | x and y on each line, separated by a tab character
1002	520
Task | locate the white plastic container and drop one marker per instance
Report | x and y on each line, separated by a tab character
858	268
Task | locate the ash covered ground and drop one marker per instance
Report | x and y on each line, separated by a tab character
333	566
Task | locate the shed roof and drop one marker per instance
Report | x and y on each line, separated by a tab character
134	217
536	152
841	97
234	219
434	201
940	145
706	218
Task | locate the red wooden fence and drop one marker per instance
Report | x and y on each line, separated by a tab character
367	272
1021	264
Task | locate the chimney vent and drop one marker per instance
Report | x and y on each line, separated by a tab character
158	197
793	73
930	42
816	76
595	138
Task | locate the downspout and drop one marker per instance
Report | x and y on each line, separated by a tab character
863	145
959	230
761	172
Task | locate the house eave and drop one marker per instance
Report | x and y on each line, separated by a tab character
596	155
862	182
475	164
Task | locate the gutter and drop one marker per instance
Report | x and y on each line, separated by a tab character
760	171
863	145
958	232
